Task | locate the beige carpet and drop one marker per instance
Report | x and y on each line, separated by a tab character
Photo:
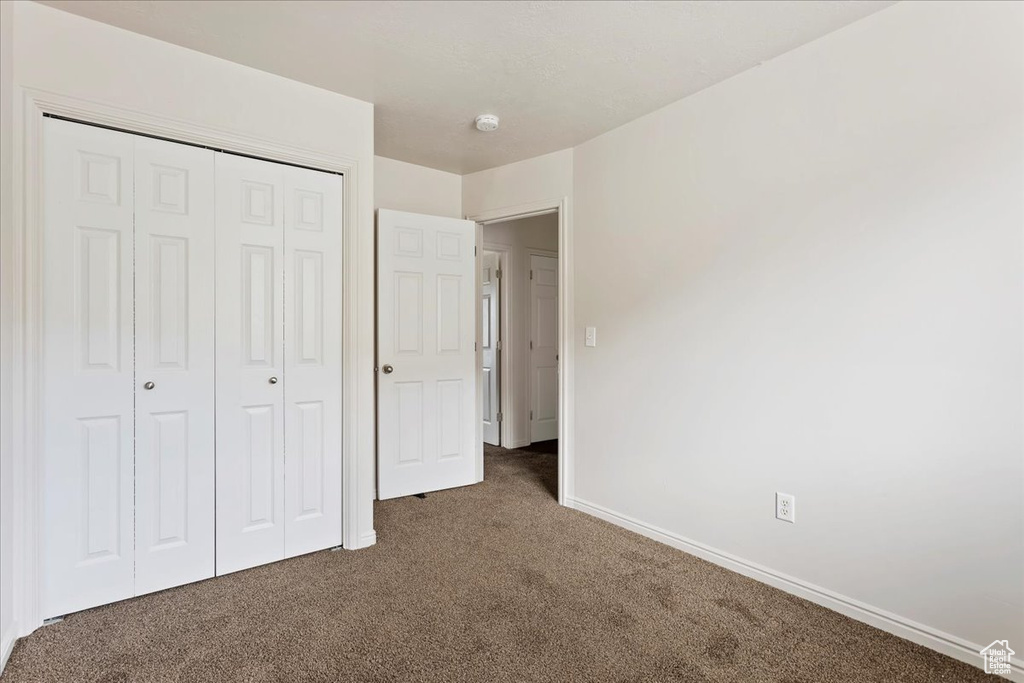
493	582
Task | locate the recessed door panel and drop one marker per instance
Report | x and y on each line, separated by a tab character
250	369
311	440
87	419
313	220
427	305
170	301
257	290
174	364
102	462
409	422
169	491
258	477
309	307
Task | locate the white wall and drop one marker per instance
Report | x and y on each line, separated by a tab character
74	57
408	187
543	178
7	627
811	274
520	236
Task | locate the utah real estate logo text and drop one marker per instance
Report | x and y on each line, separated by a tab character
997	658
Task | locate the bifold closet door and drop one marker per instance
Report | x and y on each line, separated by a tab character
312	347
279	312
250	362
87	424
174	361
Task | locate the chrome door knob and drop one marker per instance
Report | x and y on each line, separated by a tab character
387	369
148	385
272	380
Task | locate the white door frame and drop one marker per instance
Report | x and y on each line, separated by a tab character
504	357
566	302
26	262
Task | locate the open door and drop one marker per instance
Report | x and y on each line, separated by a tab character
426	360
491	333
543	348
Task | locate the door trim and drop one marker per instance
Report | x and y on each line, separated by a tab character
566	318
25	261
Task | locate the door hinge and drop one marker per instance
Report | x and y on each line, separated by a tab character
497	345
531	343
474	346
474	251
531	274
497	273
500	417
531	414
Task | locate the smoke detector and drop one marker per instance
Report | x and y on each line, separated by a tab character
487	122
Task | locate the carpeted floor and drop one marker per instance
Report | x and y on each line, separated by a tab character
490	583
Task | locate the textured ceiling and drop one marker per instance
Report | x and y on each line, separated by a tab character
557	73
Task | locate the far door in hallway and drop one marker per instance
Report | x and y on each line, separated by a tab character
543	348
490	278
426	331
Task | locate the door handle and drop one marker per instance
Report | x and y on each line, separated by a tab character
272	380
148	386
387	369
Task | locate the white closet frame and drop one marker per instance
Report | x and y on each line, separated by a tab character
27	265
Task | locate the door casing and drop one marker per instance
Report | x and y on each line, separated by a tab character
566	301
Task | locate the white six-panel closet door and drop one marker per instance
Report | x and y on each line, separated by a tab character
88	554
152	251
174	364
279	360
250	362
312	346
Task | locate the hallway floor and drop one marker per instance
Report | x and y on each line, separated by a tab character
488	583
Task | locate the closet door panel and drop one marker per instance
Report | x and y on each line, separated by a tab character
174	351
312	389
87	421
250	362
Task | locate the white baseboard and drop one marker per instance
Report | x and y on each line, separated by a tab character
366	540
945	643
7	640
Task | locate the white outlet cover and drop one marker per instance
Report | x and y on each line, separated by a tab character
785	507
591	336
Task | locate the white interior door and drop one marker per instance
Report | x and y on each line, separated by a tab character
543	348
426	330
250	362
312	368
490	323
174	361
87	424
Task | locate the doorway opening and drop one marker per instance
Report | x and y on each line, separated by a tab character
519	336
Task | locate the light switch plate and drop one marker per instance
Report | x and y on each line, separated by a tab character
591	338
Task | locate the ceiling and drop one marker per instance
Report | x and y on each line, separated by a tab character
557	73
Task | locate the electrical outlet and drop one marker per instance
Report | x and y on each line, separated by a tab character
785	507
591	337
